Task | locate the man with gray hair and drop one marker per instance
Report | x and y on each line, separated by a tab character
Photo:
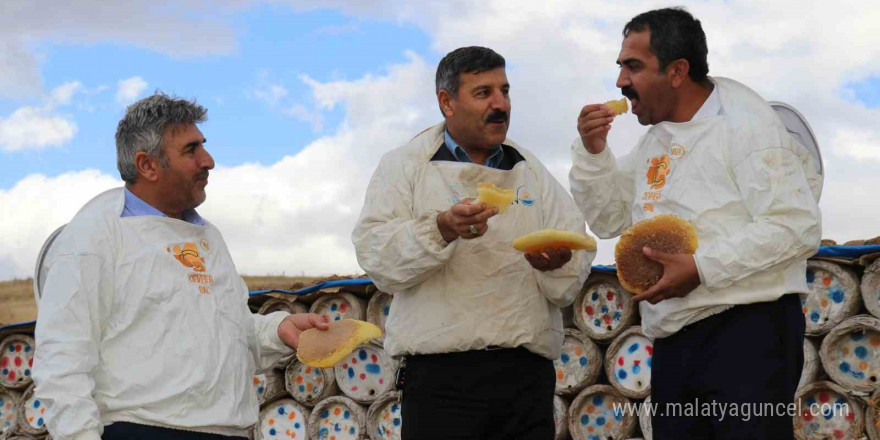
143	329
477	322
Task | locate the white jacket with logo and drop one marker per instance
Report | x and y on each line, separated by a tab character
145	320
750	191
467	294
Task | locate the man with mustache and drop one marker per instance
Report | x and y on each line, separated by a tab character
476	322
727	320
144	330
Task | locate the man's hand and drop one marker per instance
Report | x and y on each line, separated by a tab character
457	221
594	123
550	259
680	277
293	325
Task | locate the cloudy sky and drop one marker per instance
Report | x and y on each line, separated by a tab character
304	97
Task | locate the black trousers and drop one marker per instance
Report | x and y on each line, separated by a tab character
737	371
134	431
485	394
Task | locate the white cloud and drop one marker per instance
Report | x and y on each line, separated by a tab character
35	207
37	128
295	216
190	28
128	90
271	94
300	113
34	128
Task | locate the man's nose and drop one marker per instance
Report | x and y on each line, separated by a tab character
500	101
623	79
207	162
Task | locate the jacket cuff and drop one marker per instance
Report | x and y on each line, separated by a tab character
428	232
271	340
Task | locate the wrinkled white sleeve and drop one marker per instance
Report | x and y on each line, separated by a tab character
559	211
72	313
395	248
603	189
786	222
265	345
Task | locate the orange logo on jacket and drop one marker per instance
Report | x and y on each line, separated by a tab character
658	171
189	256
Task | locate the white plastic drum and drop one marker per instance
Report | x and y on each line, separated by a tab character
338	306
595	414
851	353
16	361
833	296
270	386
579	364
384	421
40	269
812	364
871	288
282	305
309	385
338	418
366	374
9	401
645	420
30	414
283	420
827	412
628	363
602	310
560	418
378	309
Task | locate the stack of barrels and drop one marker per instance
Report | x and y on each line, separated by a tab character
355	400
839	393
603	374
21	414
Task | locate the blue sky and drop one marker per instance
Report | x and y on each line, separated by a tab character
304	96
275	46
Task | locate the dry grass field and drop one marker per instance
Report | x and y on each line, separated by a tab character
17	296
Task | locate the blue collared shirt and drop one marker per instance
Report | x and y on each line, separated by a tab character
493	161
134	207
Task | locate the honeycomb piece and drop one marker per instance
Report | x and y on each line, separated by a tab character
492	195
828	242
325	348
553	238
665	233
619	106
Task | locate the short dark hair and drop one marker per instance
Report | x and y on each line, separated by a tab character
675	34
472	59
143	125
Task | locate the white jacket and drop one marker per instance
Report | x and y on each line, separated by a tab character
750	191
145	320
467	294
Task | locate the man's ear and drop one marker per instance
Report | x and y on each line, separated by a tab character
147	166
678	72
445	99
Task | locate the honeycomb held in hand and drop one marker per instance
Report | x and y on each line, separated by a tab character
325	348
665	233
619	106
492	195
553	238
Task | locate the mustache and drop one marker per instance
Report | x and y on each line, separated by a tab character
202	175
498	116
629	92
